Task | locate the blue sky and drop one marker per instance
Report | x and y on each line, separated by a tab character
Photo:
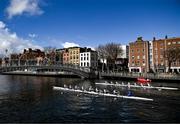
92	22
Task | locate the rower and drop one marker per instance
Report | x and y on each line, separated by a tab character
82	88
75	87
148	84
114	91
116	82
104	90
90	88
70	86
96	90
65	86
129	85
123	83
134	84
111	82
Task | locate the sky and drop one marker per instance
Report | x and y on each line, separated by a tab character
84	23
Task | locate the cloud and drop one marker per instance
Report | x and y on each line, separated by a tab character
69	44
13	43
2	25
19	7
32	35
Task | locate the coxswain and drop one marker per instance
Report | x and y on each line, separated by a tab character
130	93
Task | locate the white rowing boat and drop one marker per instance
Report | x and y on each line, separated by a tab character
102	94
137	86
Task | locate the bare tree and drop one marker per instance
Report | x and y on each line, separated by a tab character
113	51
102	55
109	52
171	55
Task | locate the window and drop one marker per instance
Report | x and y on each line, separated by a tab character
138	57
84	58
88	64
84	64
150	56
132	51
137	62
150	62
81	58
169	43
87	58
81	64
144	56
151	50
173	42
178	42
132	57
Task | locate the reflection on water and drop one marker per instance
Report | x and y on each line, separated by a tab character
32	99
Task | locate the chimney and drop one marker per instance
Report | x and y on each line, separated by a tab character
30	50
166	37
139	39
24	50
154	38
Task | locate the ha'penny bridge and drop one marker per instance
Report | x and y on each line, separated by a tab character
54	69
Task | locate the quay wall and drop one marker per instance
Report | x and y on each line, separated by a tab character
134	76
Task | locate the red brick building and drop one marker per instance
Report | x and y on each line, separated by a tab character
139	56
161	45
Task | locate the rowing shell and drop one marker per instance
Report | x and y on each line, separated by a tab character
138	86
102	94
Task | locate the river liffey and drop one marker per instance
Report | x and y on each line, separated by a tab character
32	99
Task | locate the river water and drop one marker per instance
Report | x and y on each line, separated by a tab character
32	99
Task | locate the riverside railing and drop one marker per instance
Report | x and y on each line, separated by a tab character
147	75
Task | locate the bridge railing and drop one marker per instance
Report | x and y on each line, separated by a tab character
53	66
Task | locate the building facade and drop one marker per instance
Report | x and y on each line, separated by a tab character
59	56
149	56
66	57
74	54
159	47
30	57
88	59
139	56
